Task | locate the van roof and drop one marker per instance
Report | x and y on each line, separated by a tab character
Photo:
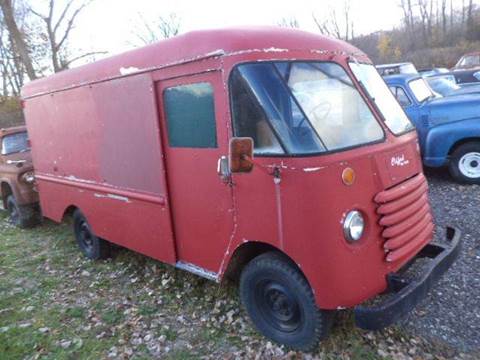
189	47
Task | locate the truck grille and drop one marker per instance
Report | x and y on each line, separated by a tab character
406	218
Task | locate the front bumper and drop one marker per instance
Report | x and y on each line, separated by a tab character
405	294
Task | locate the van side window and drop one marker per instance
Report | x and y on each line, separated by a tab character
190	115
400	95
249	120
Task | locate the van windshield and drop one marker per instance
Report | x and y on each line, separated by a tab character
15	143
300	108
387	105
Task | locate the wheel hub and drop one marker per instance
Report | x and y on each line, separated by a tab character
278	306
86	235
469	165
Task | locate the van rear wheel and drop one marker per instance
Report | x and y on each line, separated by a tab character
91	246
281	304
464	165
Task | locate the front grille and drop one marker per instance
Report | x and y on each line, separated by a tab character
406	218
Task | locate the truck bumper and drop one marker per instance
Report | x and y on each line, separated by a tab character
404	294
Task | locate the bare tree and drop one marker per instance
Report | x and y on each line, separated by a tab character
58	30
329	26
163	27
348	22
11	66
339	26
470	18
444	18
290	22
17	38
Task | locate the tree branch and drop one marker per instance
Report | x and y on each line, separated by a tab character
66	64
70	25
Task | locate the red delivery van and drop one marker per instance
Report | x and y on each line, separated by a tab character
273	156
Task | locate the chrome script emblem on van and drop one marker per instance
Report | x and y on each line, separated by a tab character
399	160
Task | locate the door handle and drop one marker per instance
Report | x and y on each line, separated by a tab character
223	169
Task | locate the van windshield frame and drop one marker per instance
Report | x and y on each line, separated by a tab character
283	71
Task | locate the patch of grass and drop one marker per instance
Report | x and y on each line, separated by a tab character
147	310
112	316
76	312
182	355
51	308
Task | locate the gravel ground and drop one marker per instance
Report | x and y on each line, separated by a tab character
451	312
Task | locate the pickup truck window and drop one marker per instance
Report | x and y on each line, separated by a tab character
190	115
420	90
15	143
378	91
306	108
401	96
469	61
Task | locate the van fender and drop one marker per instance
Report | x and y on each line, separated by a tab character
244	252
442	138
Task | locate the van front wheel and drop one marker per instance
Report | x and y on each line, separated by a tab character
91	246
281	304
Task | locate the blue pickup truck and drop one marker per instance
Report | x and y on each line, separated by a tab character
448	127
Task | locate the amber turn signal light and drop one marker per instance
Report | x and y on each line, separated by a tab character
348	176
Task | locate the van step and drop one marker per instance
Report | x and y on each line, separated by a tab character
210	275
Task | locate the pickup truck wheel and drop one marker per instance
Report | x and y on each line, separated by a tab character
91	246
22	216
464	163
281	304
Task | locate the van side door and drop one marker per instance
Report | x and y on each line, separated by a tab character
193	111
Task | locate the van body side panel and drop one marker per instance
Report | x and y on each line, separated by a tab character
98	148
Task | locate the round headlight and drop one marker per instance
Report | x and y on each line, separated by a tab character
28	177
353	226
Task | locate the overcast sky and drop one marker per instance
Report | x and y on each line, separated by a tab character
109	24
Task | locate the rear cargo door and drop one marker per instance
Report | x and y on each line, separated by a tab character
193	112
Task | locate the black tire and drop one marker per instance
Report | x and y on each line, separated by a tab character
91	246
464	165
281	304
25	216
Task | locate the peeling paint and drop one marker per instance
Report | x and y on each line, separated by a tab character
278	199
217	52
274	49
73	178
129	70
232	235
113	197
313	169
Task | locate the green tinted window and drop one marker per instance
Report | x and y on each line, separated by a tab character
190	116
